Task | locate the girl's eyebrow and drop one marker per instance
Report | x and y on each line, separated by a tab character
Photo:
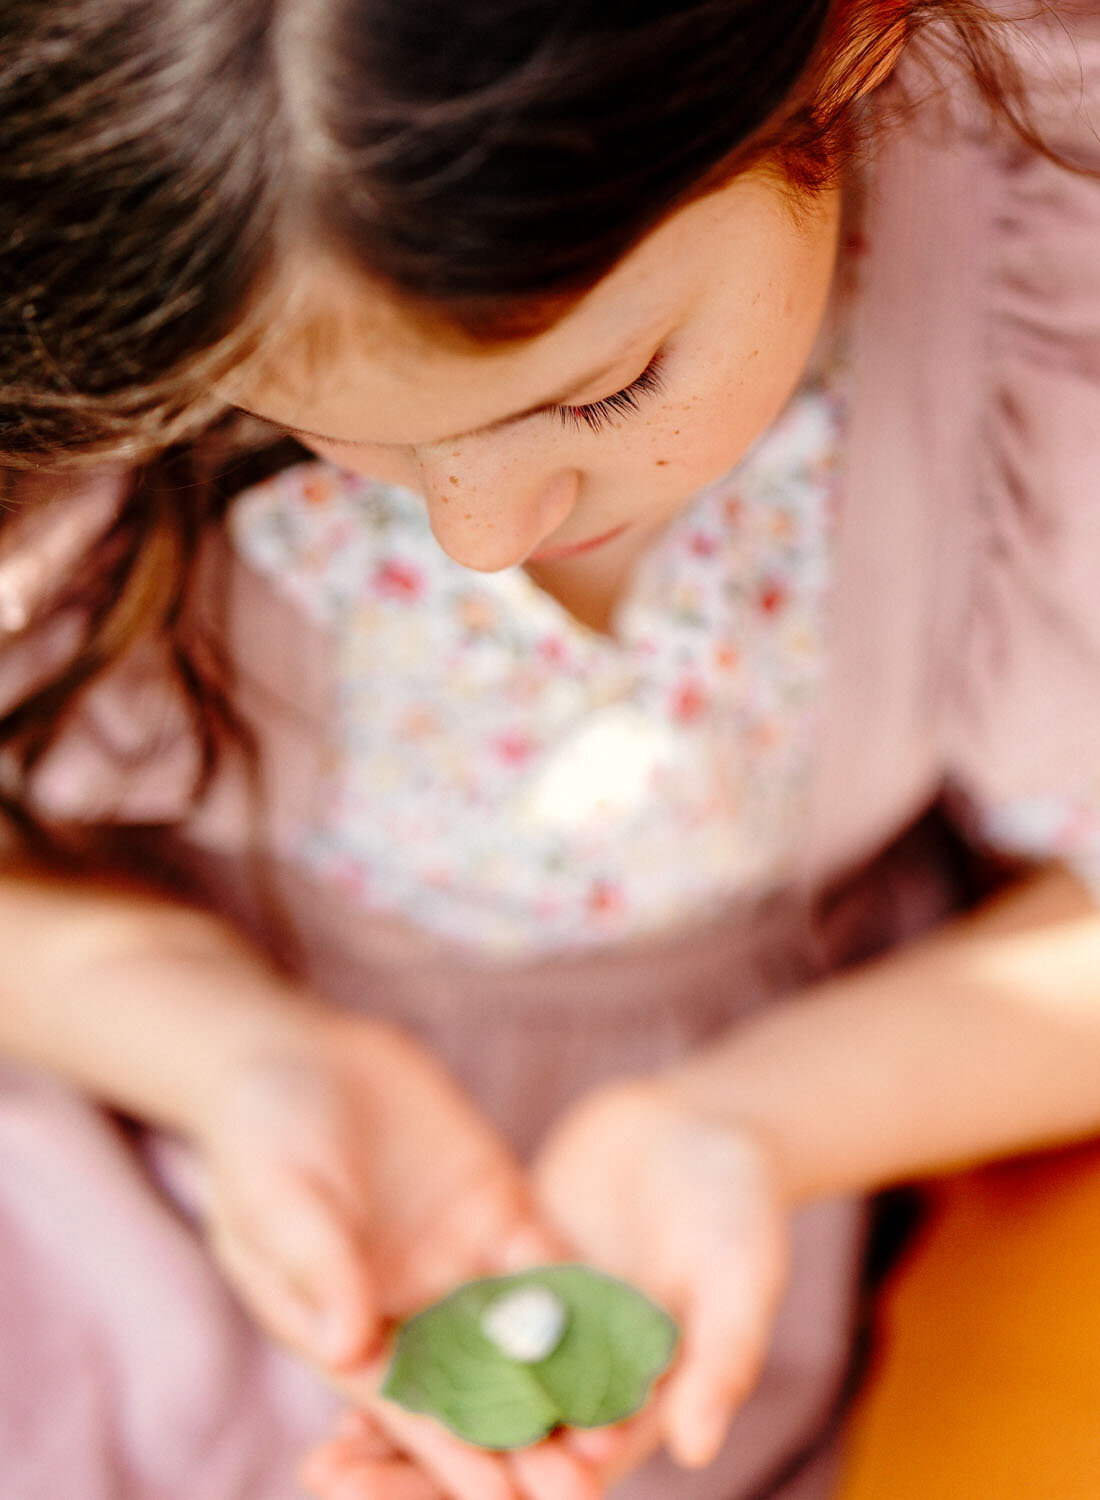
566	398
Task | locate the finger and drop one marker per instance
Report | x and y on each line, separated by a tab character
527	1243
356	1423
327	1265
262	1287
328	1462
488	1227
491	1241
614	1452
461	1472
549	1471
312	1271
595	1445
725	1342
360	1460
384	1479
544	1472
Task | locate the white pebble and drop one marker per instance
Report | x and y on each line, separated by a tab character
525	1324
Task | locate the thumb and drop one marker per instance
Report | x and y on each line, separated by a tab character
528	1243
316	1267
725	1341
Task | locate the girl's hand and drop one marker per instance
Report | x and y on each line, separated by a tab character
378	1451
689	1210
684	1207
349	1181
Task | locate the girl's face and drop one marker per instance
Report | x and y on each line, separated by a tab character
650	388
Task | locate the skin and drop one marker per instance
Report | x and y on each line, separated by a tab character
714	1156
732	289
731	293
311	1129
307	1130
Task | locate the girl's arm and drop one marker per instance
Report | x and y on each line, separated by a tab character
144	1003
979	1041
344	1178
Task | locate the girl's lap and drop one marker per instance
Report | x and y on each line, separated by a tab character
127	1370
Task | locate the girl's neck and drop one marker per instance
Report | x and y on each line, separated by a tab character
591	586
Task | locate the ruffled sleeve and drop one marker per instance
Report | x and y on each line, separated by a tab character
124	752
128	753
1024	675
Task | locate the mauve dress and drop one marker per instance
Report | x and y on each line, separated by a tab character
963	653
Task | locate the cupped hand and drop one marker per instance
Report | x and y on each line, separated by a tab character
687	1208
349	1181
378	1451
682	1205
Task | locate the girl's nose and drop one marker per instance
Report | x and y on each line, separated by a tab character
492	524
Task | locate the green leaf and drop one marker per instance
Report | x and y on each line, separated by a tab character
614	1344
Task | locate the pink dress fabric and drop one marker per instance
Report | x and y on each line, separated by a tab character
964	652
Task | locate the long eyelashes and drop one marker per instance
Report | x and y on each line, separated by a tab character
598	414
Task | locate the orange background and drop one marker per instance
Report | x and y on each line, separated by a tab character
987	1382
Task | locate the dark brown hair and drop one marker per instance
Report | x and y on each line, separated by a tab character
487	161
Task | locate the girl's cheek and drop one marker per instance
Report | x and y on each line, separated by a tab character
700	442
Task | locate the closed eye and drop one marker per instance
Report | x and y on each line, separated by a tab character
596	415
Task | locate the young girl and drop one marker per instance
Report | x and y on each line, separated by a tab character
457	860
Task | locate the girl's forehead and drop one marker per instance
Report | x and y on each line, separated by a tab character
345	347
345	359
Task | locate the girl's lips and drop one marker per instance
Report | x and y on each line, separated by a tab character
574	549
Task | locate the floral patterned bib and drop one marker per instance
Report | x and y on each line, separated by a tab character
510	779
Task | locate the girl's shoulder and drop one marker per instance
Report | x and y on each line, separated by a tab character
975	446
1025	741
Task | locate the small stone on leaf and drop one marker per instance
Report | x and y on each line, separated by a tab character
525	1324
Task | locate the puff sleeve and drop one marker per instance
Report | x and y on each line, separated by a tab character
123	753
1024	721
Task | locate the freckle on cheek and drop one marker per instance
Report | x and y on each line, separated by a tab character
661	463
453	478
